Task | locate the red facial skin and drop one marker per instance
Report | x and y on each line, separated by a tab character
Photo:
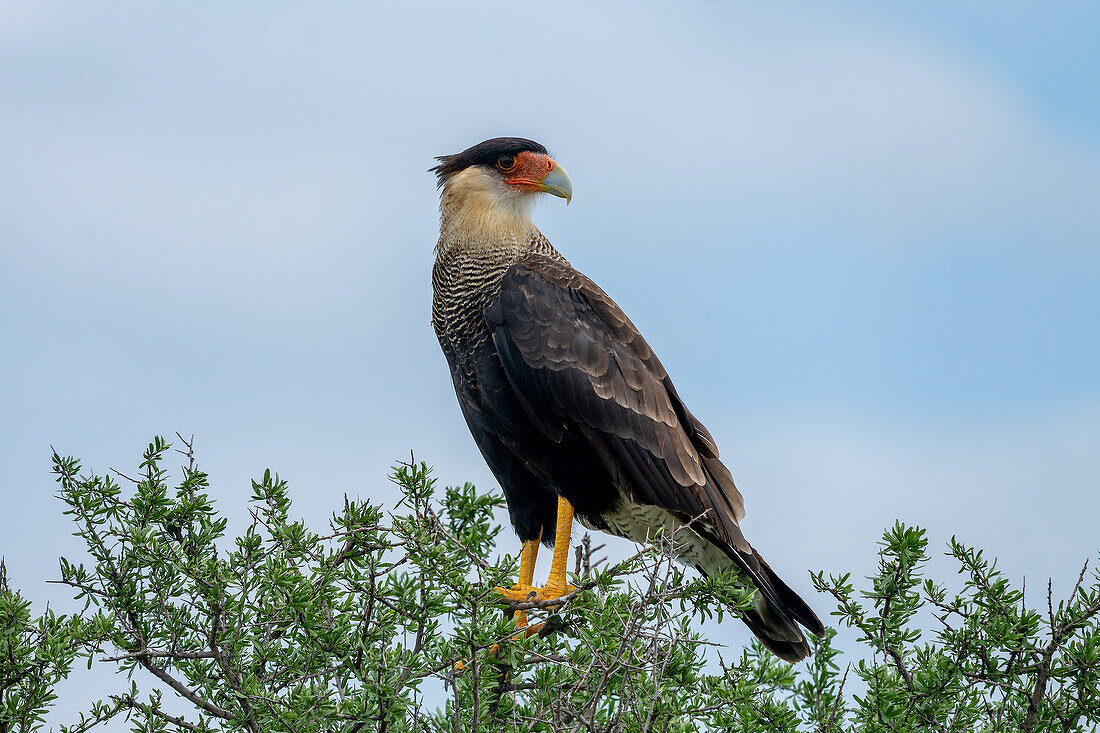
529	170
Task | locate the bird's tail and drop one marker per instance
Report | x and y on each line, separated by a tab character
776	616
778	611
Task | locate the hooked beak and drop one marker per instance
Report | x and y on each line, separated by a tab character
557	183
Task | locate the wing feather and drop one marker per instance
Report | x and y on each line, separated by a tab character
579	365
582	372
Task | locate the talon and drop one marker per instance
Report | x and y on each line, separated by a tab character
563	590
522	591
519	592
555	587
525	593
528	631
492	651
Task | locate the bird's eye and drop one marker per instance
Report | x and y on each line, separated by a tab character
506	162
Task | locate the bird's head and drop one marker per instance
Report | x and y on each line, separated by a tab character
502	176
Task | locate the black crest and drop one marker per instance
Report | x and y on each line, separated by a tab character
484	153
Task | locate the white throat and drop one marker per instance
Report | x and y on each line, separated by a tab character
478	210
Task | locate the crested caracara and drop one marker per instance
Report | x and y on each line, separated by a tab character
570	407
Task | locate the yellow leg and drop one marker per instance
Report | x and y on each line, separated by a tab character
527	561
526	574
523	586
555	585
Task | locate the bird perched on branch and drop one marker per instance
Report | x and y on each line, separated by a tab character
570	407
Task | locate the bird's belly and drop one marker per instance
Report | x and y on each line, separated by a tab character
648	524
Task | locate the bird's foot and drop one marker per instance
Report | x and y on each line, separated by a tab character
492	651
520	593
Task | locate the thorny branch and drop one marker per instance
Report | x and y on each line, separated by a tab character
281	629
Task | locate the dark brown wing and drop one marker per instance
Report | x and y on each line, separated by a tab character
582	371
578	364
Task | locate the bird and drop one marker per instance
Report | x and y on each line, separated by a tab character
570	407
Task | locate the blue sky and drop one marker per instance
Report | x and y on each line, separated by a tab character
863	239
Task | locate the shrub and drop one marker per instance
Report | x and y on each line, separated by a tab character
389	621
